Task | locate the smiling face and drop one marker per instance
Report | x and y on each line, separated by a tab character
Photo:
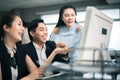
69	17
40	34
15	31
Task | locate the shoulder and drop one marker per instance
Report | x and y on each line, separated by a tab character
2	47
25	47
56	30
50	43
28	44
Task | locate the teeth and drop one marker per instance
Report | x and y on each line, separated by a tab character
20	33
44	37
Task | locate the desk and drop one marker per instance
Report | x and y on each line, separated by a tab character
114	52
68	76
75	68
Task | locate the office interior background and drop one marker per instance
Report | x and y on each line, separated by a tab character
48	10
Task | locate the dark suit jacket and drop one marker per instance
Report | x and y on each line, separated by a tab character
6	72
5	65
50	46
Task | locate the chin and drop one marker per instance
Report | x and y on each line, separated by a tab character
70	25
19	39
44	41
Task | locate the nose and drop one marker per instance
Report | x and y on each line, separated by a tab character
46	32
23	28
70	17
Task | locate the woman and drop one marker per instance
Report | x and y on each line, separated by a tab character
12	58
67	29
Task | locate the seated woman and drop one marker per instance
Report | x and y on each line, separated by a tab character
12	58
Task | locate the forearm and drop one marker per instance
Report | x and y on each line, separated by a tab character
50	59
26	78
30	64
54	53
0	72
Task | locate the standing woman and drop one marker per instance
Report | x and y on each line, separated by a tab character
67	29
12	60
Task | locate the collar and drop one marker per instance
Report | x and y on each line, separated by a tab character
9	50
37	47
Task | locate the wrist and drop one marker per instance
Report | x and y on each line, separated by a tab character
25	78
55	52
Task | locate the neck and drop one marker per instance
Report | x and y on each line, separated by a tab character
39	44
10	43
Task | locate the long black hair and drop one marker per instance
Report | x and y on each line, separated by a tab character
60	21
6	19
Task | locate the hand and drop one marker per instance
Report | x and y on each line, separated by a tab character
37	74
62	50
61	44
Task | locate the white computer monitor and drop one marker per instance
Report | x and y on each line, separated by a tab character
95	35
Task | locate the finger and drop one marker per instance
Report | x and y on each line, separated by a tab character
58	45
41	71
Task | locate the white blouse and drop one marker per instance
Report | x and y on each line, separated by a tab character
42	57
69	36
14	71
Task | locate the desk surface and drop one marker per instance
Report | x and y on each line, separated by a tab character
74	76
114	53
84	68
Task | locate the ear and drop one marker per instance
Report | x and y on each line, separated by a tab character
5	28
32	33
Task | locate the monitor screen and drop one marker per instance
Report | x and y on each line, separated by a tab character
95	36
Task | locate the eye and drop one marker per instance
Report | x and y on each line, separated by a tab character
41	29
19	23
66	15
73	15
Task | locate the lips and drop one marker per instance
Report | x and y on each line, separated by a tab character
70	22
20	33
44	37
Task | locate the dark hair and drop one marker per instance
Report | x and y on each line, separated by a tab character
33	25
7	19
25	24
60	21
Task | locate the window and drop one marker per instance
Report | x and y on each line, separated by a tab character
50	19
113	13
50	29
115	36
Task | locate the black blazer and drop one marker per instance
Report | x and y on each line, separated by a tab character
50	46
6	71
5	65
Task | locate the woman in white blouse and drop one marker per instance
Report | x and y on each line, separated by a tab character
67	29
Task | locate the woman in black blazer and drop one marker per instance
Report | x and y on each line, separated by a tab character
12	58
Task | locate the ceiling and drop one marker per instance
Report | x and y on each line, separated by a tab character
11	4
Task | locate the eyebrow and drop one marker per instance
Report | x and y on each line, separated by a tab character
42	27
